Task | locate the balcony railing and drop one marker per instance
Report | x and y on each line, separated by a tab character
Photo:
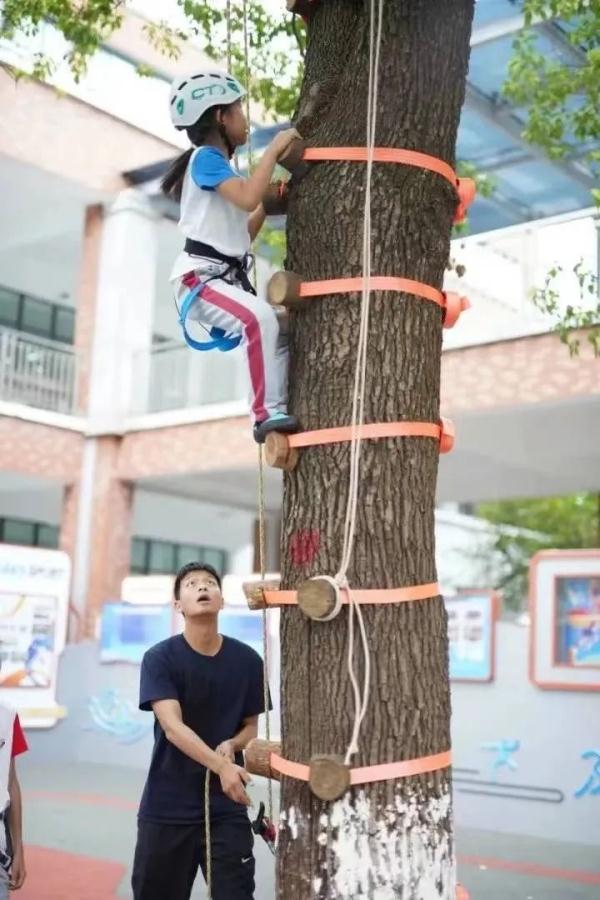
171	377
37	372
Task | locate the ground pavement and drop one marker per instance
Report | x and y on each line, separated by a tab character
80	833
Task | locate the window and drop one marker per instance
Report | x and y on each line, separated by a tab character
188	553
29	534
161	557
34	316
151	557
9	308
64	324
47	536
18	532
139	556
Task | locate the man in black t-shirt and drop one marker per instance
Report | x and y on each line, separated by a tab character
206	692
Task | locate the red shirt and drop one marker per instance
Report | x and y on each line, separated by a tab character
19	744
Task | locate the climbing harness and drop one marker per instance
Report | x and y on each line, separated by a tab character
238	268
220	340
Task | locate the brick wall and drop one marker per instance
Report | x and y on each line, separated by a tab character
517	373
33	449
90	146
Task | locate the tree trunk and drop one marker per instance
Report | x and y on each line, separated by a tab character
393	839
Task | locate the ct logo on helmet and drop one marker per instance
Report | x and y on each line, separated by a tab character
211	89
233	85
180	106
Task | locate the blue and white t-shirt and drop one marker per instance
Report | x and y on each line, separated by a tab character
205	215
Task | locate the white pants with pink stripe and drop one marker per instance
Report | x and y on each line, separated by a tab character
225	305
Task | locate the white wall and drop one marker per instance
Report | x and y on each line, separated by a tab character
46	275
554	728
169	244
169	518
503	267
41	229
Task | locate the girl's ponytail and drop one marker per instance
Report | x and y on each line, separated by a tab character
198	133
172	182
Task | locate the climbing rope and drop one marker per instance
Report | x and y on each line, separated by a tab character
247	82
265	620
229	42
261	473
361	700
208	848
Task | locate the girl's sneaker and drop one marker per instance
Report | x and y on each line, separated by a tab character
277	422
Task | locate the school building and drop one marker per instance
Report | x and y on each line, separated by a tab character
130	452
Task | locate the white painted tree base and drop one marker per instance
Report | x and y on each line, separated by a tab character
401	852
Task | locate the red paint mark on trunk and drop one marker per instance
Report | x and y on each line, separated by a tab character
304	546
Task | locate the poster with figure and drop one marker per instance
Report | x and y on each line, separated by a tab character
564	605
27	629
471	636
34	599
577	621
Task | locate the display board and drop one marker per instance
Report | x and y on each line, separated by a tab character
34	600
471	635
128	630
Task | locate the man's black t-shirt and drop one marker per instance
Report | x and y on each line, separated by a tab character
216	694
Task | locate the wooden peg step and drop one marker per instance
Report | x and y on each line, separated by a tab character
283	289
257	758
275	200
278	452
329	778
319	598
292	159
254	592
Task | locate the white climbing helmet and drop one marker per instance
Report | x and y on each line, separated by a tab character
192	95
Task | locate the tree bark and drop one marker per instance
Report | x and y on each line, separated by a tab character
393	839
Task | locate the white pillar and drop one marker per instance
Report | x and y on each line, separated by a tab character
124	311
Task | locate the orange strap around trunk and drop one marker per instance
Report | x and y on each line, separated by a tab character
464	187
450	302
379	596
443	432
385	155
376	283
369	774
